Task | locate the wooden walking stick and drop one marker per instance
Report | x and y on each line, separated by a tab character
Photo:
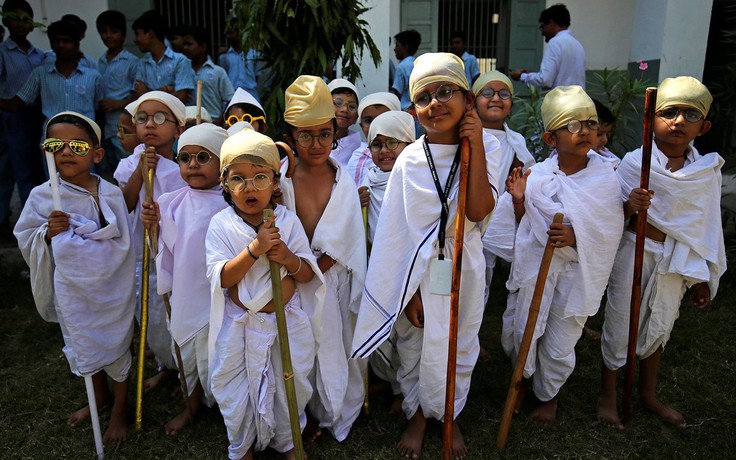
641	232
152	239
91	401
526	341
287	368
199	102
366	399
457	260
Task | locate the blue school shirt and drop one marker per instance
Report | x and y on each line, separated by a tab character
118	76
50	58
240	70
471	67
16	66
172	69
216	88
81	92
401	80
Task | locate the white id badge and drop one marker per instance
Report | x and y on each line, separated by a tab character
440	277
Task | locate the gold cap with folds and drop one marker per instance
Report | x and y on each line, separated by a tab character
493	75
251	147
308	102
435	67
683	91
565	104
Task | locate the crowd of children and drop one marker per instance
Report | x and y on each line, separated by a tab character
362	231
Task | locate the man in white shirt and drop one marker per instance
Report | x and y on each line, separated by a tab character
563	63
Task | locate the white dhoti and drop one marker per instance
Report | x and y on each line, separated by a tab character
196	364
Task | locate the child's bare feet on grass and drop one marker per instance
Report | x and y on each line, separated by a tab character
592	333
178	423
395	408
608	411
117	431
484	355
153	382
666	413
311	431
459	449
410	444
546	412
291	455
82	415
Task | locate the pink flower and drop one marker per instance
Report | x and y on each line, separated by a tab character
643	65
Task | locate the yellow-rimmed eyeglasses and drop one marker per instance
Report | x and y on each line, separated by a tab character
53	145
237	184
232	119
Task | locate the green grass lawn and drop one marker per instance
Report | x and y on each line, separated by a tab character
698	376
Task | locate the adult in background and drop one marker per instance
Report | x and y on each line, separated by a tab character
458	47
563	63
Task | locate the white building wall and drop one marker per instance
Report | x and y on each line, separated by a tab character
48	11
382	19
685	38
647	30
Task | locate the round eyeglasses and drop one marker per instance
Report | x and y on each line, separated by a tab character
159	118
306	140
340	103
237	184
576	126
53	145
202	157
390	144
488	93
690	115
443	94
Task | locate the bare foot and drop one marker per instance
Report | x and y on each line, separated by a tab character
546	412
666	413
608	411
153	382
117	431
592	333
248	455
82	415
484	355
311	431
410	444
178	423
521	396
395	408
459	449
291	455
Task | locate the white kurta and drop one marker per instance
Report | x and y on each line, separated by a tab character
166	179
345	148
407	231
686	207
85	278
376	181
592	205
339	234
182	271
245	362
360	161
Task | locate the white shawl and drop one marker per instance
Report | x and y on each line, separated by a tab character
87	272
590	202
685	206
345	148
513	145
376	181
180	263
407	230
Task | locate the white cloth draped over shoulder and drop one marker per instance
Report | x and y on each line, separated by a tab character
87	272
180	264
345	148
596	218
376	181
685	206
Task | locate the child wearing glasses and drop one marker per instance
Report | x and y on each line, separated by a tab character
243	107
345	99
415	237
493	101
159	120
684	246
183	216
93	303
369	108
245	363
325	199
577	182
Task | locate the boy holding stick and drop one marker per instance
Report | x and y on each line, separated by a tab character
577	182
684	246
414	230
93	303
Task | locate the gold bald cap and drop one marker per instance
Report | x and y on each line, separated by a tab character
308	102
564	104
435	67
493	75
251	147
683	91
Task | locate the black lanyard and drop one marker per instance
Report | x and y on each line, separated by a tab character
442	193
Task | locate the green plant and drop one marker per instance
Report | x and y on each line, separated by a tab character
527	120
296	37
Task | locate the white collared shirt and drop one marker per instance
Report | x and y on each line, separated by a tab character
563	63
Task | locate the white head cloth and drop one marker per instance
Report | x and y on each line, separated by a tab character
176	106
191	114
394	123
205	135
242	96
95	127
388	100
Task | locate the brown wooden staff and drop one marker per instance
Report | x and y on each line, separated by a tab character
526	340
641	232
457	260
199	102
